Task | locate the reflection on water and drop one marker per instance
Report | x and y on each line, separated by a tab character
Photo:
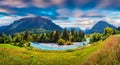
53	46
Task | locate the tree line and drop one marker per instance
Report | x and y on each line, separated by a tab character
107	32
59	37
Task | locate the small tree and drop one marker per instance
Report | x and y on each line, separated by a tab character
56	36
95	37
108	31
27	36
69	42
65	34
61	42
4	38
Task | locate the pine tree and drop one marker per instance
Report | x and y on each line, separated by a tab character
72	31
56	36
27	36
4	38
65	34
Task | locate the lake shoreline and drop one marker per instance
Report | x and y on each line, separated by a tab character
54	46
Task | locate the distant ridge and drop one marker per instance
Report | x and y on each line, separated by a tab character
33	24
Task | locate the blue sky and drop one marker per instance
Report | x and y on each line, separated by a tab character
66	13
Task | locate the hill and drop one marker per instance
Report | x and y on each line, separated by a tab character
107	55
32	24
100	26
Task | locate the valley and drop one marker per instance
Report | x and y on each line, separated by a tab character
16	55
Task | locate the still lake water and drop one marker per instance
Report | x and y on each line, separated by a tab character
53	46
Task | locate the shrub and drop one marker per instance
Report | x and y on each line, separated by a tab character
69	43
108	31
95	37
61	42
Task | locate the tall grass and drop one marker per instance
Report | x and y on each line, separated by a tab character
109	54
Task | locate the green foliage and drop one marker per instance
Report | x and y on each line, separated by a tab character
65	34
54	36
95	37
61	42
23	39
27	36
68	42
116	31
108	31
4	38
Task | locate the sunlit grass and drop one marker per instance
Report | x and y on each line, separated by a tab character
108	54
14	55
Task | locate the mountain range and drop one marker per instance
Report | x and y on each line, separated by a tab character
39	25
32	24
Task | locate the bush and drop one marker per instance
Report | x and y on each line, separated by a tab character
108	31
61	42
69	43
95	37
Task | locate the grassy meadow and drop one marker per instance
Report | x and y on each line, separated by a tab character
12	55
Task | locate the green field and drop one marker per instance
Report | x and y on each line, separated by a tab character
13	55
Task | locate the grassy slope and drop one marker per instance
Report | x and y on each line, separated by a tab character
13	55
109	54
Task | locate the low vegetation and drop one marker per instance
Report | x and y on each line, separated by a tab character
14	55
107	32
107	55
63	42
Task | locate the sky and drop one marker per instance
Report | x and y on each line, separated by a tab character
65	13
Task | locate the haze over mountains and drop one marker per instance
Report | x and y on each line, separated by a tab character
39	25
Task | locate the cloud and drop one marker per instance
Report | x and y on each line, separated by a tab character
109	4
6	11
6	20
75	13
82	23
13	3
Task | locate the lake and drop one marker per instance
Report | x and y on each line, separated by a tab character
53	46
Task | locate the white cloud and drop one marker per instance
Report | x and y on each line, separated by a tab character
5	10
6	20
82	23
14	3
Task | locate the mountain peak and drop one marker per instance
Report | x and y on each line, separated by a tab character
100	26
34	24
102	22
